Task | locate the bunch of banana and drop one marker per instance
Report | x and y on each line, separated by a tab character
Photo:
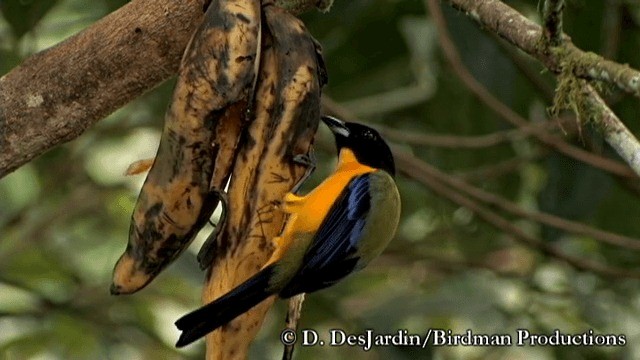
246	104
201	131
286	114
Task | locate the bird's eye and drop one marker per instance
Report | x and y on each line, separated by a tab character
369	135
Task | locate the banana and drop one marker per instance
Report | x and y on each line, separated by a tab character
286	111
249	154
201	131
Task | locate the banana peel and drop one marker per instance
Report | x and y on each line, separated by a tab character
287	111
201	131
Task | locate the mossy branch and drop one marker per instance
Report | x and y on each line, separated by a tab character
616	134
512	26
573	66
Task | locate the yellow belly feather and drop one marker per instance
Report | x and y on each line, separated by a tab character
306	213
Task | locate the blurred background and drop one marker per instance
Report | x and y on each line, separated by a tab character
64	217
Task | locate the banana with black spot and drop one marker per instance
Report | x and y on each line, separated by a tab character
287	112
215	85
291	76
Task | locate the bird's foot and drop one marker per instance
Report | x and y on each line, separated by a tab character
308	160
207	251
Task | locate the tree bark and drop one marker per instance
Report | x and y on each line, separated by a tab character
56	94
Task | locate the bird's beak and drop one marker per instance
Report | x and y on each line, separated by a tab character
336	126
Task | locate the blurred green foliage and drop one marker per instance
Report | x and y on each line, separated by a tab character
64	217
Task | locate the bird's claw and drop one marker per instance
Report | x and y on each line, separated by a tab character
207	251
308	160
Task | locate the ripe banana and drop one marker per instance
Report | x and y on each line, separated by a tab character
202	126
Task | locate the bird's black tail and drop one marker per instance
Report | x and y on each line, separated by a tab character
202	321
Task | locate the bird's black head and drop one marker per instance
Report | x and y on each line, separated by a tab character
366	144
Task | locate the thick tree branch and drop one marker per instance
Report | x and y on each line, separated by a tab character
56	94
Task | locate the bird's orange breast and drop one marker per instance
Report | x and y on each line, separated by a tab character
308	212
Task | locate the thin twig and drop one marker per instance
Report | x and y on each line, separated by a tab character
293	316
462	142
438	262
498	169
414	168
611	28
451	52
392	100
543	218
552	16
504	204
523	64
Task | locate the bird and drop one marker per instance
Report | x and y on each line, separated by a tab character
334	230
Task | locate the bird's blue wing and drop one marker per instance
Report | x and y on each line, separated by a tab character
332	253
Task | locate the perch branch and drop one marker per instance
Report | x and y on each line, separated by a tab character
294	312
